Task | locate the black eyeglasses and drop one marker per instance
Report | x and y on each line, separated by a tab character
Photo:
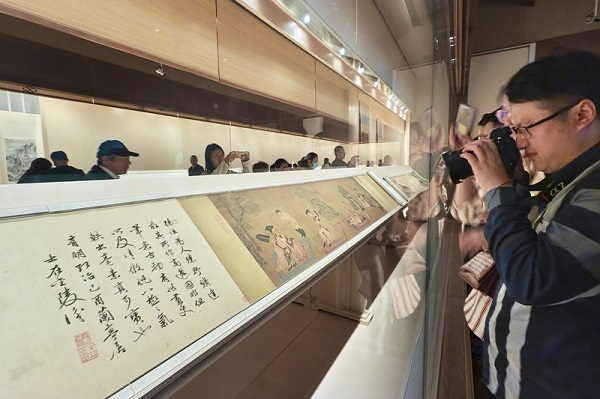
524	132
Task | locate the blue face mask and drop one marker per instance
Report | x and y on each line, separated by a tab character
315	165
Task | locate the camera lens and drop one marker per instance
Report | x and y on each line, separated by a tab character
458	168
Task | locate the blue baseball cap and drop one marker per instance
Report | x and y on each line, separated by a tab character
114	147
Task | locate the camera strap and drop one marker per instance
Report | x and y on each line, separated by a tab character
554	183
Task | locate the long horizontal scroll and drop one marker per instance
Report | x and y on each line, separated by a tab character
94	299
265	237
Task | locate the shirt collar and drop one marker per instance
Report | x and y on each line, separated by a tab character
111	174
555	182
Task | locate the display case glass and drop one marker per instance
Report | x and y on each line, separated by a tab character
136	289
141	279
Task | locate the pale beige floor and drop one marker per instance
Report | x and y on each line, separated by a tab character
285	358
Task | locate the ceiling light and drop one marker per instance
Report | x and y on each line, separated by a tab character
342	51
306	19
361	69
376	84
159	70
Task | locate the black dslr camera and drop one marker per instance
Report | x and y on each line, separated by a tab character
460	169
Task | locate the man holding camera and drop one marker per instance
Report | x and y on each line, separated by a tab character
542	336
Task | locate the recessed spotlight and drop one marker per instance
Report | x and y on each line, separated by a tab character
342	51
306	19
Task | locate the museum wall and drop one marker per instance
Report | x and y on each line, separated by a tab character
489	72
251	57
78	128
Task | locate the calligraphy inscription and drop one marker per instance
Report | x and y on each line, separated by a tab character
127	278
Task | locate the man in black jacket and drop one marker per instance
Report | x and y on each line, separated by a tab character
62	171
541	338
113	160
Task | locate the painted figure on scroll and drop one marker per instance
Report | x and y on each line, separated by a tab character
353	219
289	253
327	238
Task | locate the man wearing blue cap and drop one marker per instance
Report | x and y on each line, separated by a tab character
113	160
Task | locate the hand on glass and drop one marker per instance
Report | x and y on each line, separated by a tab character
485	160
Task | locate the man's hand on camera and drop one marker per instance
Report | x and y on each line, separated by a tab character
485	160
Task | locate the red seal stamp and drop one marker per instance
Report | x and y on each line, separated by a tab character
83	339
86	348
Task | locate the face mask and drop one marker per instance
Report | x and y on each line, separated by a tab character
315	165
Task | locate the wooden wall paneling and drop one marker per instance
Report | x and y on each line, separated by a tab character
334	93
181	33
257	58
381	113
580	41
353	117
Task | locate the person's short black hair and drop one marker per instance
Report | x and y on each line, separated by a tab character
487	118
557	81
260	166
59	156
337	149
280	161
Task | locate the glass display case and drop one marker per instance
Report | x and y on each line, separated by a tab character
151	277
138	279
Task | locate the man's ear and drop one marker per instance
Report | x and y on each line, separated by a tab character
585	113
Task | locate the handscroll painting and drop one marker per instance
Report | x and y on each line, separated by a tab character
103	296
288	229
408	185
19	153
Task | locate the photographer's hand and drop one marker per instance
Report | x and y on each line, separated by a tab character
456	140
485	160
231	157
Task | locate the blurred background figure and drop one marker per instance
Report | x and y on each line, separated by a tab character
218	164
340	154
388	161
326	164
425	148
260	167
113	161
195	169
37	172
280	165
310	161
62	171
